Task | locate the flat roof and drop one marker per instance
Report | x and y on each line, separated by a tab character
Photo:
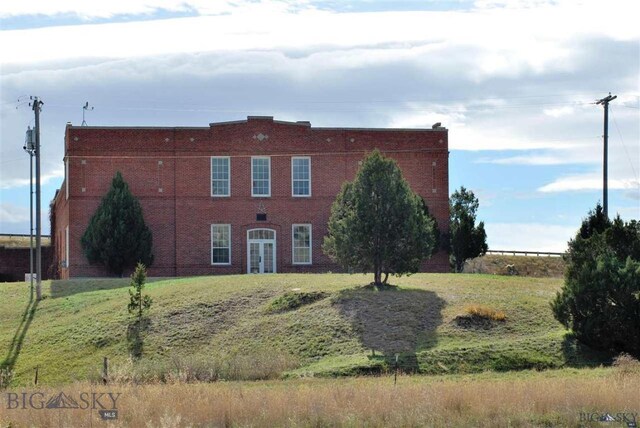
266	118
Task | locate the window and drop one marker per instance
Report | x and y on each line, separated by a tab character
260	176
66	246
301	237
220	244
301	176
66	178
220	176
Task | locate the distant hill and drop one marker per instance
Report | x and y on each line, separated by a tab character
249	327
495	264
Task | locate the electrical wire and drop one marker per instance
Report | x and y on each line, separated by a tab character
635	175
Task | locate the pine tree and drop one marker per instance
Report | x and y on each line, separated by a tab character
138	303
117	236
600	298
466	239
378	224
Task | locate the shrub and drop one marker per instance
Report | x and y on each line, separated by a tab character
625	364
485	312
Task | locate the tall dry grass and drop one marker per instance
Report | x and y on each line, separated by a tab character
536	400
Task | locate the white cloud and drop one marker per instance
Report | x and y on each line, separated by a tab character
529	160
529	236
588	182
10	183
107	9
559	111
11	213
536	38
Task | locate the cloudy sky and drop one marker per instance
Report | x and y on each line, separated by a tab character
514	81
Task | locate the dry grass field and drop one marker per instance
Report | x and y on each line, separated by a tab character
15	241
563	398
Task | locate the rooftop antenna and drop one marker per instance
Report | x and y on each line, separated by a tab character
85	108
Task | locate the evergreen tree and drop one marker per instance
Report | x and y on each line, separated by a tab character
138	302
466	239
378	224
600	299
117	236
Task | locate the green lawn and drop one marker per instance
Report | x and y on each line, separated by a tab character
333	329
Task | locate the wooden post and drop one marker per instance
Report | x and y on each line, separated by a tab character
105	371
395	375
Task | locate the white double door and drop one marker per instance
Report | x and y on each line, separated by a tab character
261	251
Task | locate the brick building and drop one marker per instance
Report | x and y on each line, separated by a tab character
235	197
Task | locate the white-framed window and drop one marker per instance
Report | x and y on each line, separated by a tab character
300	176
220	176
260	176
66	178
66	246
220	244
301	244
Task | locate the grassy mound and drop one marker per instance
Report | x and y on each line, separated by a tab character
292	300
261	327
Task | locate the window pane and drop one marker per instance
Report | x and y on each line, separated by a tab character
301	255
220	255
301	176
220	243
220	176
260	176
302	244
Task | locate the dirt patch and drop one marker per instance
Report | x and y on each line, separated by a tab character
474	322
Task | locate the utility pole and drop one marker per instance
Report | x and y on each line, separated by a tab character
30	148
605	187
36	105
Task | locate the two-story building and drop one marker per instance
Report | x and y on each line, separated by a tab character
250	196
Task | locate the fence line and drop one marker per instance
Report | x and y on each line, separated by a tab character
21	235
526	253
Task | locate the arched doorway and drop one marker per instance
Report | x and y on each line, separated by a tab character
261	251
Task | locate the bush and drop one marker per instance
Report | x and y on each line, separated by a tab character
625	364
485	312
600	300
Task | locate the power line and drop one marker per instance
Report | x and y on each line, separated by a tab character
625	149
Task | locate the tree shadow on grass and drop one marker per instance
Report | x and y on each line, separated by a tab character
136	331
15	346
579	355
393	321
70	287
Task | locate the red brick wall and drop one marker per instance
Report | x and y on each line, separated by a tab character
168	170
14	262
